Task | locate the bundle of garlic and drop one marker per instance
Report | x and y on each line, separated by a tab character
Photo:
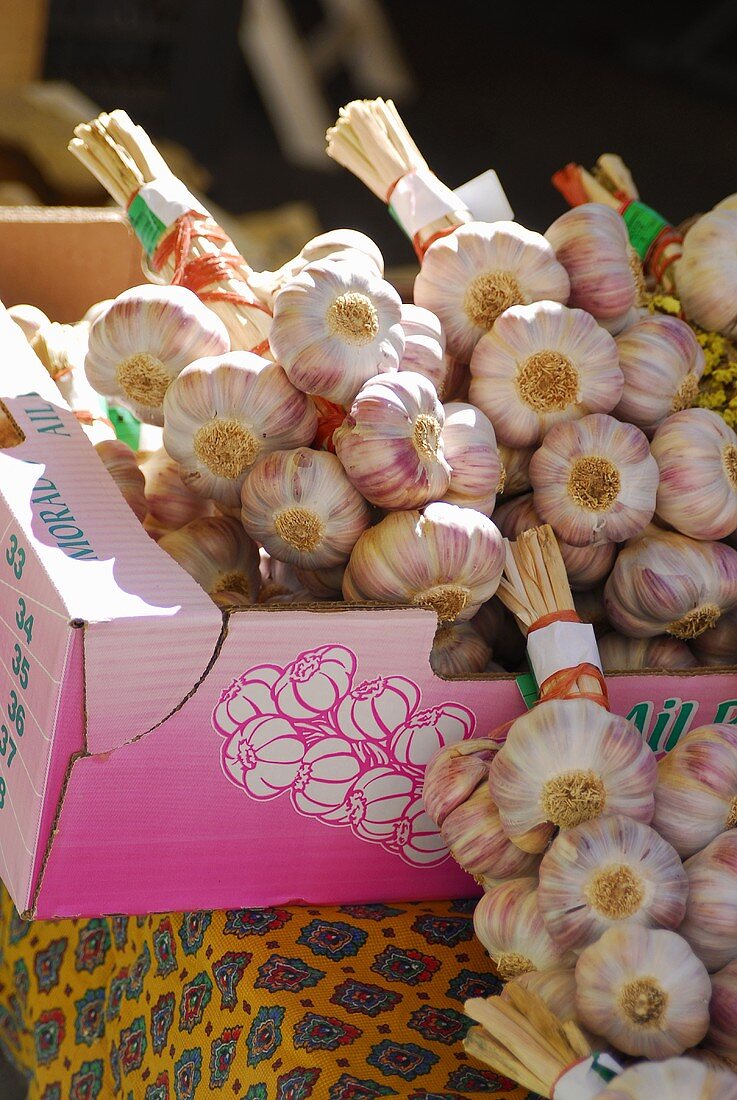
62	349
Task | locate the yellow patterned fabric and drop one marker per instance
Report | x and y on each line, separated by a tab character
342	1003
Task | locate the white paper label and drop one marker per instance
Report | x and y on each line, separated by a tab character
587	1078
168	199
419	199
559	646
484	196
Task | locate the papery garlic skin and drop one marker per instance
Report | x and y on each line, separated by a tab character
120	462
706	274
469	277
721	1038
508	923
542	364
391	442
424	346
445	558
591	242
218	553
300	506
515	472
710	925
29	319
621	654
475	838
644	990
335	326
672	1079
566	762
453	774
141	342
458	650
586	566
718	647
325	584
662	362
664	582
696	453
170	504
223	413
594	480
469	445
609	872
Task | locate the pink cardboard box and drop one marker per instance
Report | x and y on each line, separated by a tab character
158	755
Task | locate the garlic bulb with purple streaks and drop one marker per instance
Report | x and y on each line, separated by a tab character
718	647
469	445
120	462
169	503
619	653
424	346
458	650
672	1079
662	362
706	274
721	1038
515	472
509	925
710	925
218	553
475	838
454	773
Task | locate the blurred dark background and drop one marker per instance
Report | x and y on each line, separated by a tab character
520	87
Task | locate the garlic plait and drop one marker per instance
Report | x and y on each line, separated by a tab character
218	553
453	774
475	838
169	503
469	445
141	342
224	412
541	364
344	244
469	277
62	350
509	925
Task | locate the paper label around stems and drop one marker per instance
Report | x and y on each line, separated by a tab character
484	196
157	207
560	646
643	226
586	1079
419	199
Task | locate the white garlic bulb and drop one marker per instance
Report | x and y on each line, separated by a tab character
218	553
469	445
619	654
453	774
644	990
718	647
672	1079
706	274
475	838
325	583
721	1038
591	242
586	566
120	462
515	474
223	412
424	346
566	762
445	558
509	925
140	343
391	442
696	453
666	583
541	364
710	925
336	244
300	506
169	503
594	480
278	578
29	319
469	277
335	326
458	650
96	310
662	362
607	872
696	793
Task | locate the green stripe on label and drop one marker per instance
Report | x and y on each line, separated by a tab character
528	689
127	427
148	228
643	226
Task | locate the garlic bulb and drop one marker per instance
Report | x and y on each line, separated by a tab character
469	277
458	650
300	506
586	566
718	646
120	462
470	450
170	504
220	556
672	1079
662	362
541	364
29	319
606	872
664	582
391	442
337	244
706	274
278	579
335	326
424	346
696	453
475	838
566	762
445	558
453	774
696	793
721	1038
224	412
624	654
557	988
710	925
325	584
509	925
594	480
515	476
644	990
96	310
142	342
592	244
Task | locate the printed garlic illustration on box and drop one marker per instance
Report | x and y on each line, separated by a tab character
349	752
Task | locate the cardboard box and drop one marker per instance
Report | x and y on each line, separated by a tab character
155	755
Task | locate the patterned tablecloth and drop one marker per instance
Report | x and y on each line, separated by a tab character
344	1003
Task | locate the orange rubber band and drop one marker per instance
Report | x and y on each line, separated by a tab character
554	617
